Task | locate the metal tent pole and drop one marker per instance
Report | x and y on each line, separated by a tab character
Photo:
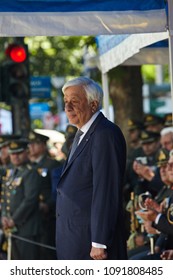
106	94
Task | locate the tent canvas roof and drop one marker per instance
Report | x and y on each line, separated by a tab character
81	17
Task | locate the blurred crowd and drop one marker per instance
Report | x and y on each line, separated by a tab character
148	188
29	173
28	180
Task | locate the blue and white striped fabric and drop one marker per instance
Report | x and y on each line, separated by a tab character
81	17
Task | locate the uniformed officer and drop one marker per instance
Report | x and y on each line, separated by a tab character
162	221
162	158
134	151
161	215
145	167
4	155
4	164
66	147
69	136
162	163
39	157
131	178
5	139
134	130
20	207
168	120
153	122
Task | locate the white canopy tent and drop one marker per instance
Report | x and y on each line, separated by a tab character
145	21
118	49
125	47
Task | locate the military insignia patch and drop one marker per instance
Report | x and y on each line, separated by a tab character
13	145
17	181
162	156
130	123
42	171
149	118
9	173
144	135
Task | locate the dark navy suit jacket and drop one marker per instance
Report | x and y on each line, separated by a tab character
89	195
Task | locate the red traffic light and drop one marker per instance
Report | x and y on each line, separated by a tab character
16	52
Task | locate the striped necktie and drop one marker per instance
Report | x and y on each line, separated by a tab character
75	143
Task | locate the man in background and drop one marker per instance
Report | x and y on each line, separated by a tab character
20	203
40	160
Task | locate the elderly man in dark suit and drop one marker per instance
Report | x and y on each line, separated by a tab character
90	222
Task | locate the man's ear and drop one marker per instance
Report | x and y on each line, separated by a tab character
94	106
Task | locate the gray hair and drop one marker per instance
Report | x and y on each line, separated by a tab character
92	89
166	130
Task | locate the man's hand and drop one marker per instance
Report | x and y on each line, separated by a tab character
143	171
147	215
148	227
11	223
151	204
4	221
167	255
98	253
7	223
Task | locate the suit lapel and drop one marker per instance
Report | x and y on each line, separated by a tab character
83	143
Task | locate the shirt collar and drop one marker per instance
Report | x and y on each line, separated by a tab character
86	126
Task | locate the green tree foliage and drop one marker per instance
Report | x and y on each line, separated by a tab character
57	56
54	56
63	56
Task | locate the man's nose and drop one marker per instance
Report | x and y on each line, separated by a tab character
68	106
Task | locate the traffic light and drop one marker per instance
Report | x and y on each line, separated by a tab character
15	77
17	53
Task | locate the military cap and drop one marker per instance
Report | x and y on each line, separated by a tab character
168	119
70	131
18	146
162	157
5	139
149	136
133	124
37	137
150	119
